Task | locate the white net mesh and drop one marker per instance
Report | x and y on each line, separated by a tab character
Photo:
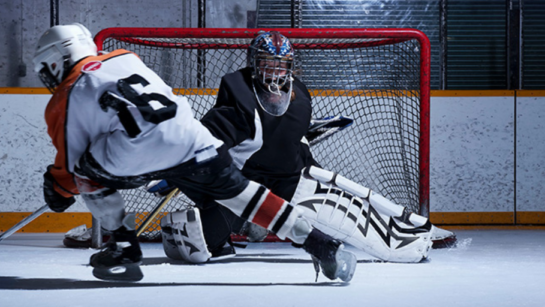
374	81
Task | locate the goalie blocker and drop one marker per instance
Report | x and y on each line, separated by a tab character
356	215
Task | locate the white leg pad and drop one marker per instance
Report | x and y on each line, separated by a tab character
186	239
380	203
341	209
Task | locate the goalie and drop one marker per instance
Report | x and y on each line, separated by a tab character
263	114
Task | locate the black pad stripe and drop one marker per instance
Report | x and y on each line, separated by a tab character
253	203
282	219
308	204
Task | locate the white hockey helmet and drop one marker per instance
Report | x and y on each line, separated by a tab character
59	48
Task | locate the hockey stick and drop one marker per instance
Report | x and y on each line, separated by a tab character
24	222
156	211
44	208
323	128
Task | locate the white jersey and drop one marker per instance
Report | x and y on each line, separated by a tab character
126	116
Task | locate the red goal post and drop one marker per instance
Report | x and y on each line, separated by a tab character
379	77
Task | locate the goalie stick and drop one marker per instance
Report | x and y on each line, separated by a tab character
323	128
44	208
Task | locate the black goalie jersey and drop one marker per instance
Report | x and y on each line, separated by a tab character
268	149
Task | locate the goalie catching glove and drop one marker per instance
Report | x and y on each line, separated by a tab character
322	128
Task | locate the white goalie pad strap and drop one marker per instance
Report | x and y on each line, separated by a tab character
258	205
387	207
349	217
325	176
186	239
380	203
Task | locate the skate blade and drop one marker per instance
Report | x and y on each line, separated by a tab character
448	242
347	262
126	272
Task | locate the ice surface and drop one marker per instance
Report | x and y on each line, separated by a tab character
488	268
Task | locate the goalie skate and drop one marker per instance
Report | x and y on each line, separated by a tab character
222	253
443	238
253	232
329	255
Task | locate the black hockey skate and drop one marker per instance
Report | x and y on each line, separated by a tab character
329	255
120	260
222	253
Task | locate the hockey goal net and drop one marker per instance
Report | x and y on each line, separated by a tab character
377	77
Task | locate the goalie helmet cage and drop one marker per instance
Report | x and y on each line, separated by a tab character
378	77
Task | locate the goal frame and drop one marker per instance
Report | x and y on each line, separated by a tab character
391	35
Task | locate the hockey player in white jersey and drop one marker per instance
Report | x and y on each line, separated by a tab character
116	125
262	114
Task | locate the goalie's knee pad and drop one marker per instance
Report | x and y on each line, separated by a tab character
183	237
356	215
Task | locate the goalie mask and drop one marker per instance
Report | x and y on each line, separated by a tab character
59	48
271	58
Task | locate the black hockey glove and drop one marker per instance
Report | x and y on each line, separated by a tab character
54	200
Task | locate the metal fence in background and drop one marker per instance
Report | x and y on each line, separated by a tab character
476	44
